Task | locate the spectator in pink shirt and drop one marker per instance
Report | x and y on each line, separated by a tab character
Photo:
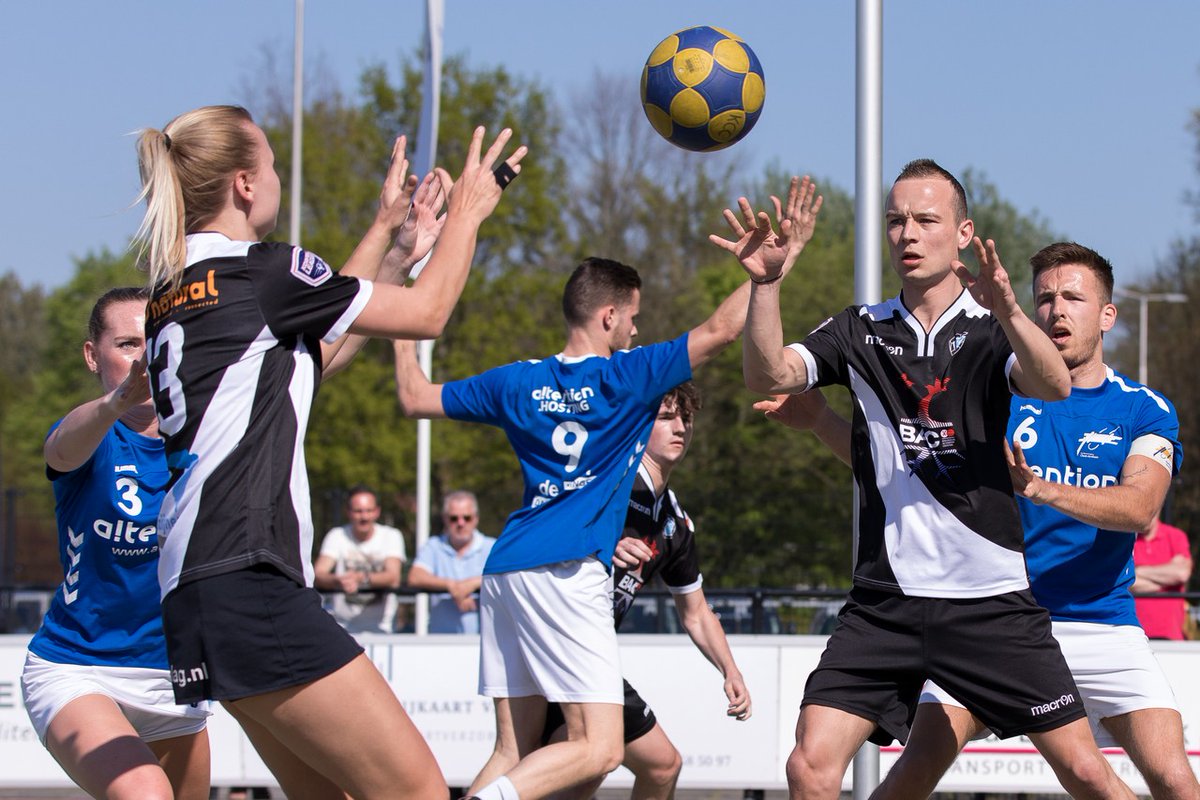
1163	560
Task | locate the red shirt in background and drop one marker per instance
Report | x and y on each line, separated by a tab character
1161	618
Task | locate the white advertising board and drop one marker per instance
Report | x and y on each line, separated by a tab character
435	678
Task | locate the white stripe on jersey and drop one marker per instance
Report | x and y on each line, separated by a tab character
222	427
300	390
1125	387
201	246
810	363
365	290
926	543
964	303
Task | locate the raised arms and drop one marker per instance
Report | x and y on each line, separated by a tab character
767	257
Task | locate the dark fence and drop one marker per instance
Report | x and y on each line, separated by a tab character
759	611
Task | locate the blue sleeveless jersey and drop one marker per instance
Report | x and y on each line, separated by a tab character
578	426
106	612
1078	572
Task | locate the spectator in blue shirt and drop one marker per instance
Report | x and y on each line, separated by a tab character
451	564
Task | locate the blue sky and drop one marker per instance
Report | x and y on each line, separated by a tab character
1076	109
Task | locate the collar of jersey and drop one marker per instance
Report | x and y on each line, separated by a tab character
562	359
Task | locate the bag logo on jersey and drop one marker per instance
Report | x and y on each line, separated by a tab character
309	267
956	342
1092	441
928	440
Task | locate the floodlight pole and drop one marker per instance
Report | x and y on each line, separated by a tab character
297	121
868	261
424	160
1144	299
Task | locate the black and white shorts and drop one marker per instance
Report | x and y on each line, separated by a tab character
996	655
639	717
247	633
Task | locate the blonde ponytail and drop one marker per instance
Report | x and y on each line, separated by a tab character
186	169
163	247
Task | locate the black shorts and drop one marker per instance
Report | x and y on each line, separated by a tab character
249	632
995	655
639	718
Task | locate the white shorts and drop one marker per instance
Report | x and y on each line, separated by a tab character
549	631
1114	668
144	696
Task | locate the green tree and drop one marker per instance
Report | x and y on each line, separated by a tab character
357	433
59	380
1172	354
55	382
21	319
1018	234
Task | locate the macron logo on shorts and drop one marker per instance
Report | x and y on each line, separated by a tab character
1053	705
309	267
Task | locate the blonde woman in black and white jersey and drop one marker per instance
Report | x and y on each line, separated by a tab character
238	333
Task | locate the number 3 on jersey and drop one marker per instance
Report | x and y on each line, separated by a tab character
572	449
130	503
170	337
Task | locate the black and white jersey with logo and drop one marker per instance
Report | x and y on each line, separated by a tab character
937	516
667	531
234	365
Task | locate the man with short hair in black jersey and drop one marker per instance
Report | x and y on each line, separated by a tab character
659	540
940	587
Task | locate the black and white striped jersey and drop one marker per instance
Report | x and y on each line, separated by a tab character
660	522
234	365
937	516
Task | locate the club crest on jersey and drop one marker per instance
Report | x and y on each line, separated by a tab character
669	528
309	267
956	342
1092	441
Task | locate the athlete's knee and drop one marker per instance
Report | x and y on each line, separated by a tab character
661	773
1091	775
812	777
607	757
600	756
1174	781
155	787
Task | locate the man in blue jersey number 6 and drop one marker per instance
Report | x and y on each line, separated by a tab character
1088	471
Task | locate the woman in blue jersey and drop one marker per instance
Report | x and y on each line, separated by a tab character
239	334
96	683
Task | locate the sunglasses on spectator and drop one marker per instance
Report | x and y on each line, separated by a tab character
460	518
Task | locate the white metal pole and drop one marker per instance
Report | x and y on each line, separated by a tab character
1143	338
297	120
424	160
868	222
1144	299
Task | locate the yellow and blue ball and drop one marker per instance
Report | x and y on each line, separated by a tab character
703	88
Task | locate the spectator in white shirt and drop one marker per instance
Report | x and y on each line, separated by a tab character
358	558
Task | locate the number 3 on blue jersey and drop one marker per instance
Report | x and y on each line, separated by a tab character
573	449
130	503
